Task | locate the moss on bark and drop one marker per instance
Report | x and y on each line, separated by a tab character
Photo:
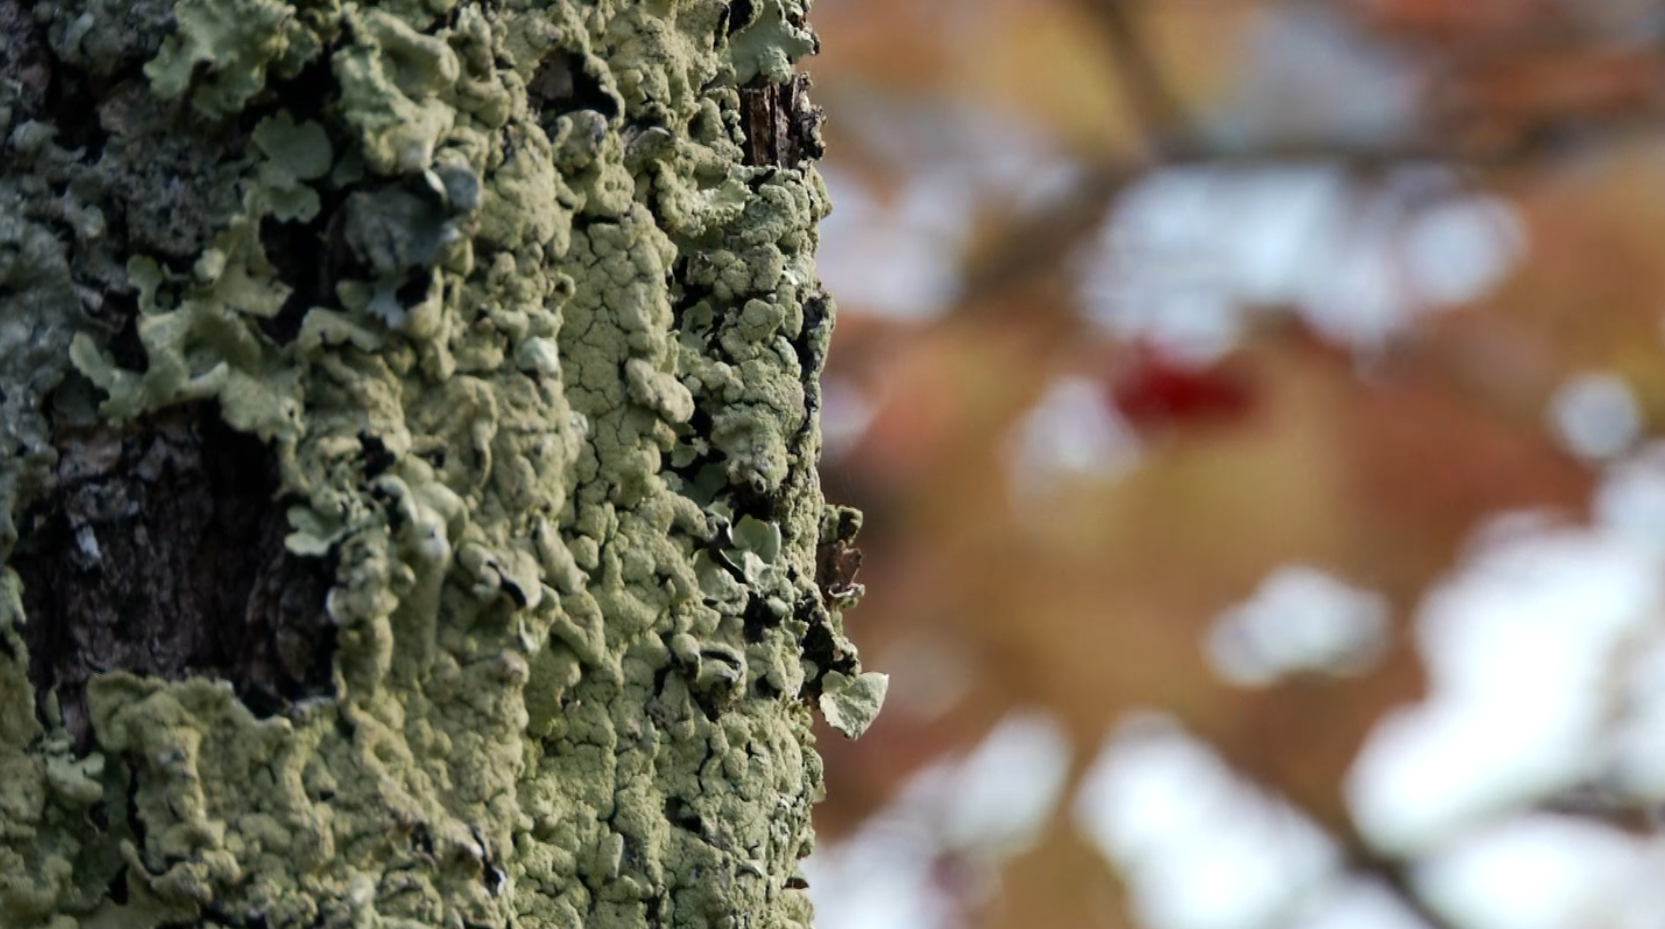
492	332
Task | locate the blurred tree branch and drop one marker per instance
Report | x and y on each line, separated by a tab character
1166	125
1362	859
1038	241
1035	243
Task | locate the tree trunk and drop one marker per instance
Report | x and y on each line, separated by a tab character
408	507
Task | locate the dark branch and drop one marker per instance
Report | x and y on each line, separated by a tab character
1361	858
1167	126
1038	242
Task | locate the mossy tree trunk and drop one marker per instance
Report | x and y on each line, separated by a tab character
408	512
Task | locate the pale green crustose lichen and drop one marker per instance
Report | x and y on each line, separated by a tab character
551	417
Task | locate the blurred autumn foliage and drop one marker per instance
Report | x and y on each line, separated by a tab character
1088	406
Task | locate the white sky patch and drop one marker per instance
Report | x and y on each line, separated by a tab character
1595	415
900	256
1629	506
1300	621
891	260
983	807
1356	294
1635	751
1307	68
1001	794
1188	251
879	878
1072	431
1519	646
1400	248
1199	848
1356	903
1630	503
1564	593
1547	872
1459	249
1185	248
940	670
1546	659
846	412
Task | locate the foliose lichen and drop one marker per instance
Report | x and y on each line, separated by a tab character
535	351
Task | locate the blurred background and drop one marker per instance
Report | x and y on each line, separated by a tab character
1253	406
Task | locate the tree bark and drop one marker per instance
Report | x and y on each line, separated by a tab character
408	508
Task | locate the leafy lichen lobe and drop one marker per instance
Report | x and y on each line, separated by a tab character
534	346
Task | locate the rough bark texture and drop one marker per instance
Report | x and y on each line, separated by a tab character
408	513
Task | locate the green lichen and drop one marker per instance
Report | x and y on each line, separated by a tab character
391	78
551	419
851	703
221	52
296	154
771	41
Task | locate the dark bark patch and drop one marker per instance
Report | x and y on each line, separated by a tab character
816	311
782	127
117	313
135	822
164	174
308	257
377	457
837	559
810	345
562	84
824	646
741	13
757	619
72	105
305	96
162	554
117	889
754	499
682	815
25	59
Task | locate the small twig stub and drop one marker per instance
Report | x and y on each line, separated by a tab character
782	127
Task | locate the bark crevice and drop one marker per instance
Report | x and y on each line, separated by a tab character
162	554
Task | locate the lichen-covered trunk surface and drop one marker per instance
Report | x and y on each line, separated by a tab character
408	513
